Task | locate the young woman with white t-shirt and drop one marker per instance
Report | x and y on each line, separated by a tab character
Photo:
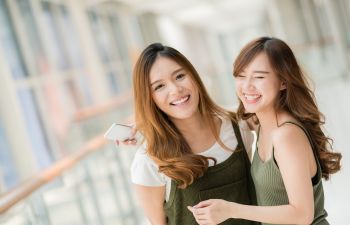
193	150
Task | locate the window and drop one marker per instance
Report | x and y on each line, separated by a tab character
9	43
37	59
40	146
7	166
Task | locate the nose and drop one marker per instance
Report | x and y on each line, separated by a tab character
248	83
175	88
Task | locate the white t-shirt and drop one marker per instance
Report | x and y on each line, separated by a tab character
144	171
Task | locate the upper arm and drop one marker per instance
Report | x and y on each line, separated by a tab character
152	200
150	187
292	151
144	171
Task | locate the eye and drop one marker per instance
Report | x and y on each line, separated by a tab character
158	86
180	76
240	75
260	77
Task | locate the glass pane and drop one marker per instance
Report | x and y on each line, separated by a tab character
343	12
9	43
113	82
124	56
119	37
56	48
101	37
32	34
35	129
7	166
70	37
83	83
58	112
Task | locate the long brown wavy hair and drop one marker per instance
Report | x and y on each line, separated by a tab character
297	99
165	143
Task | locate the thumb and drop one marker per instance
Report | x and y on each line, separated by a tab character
190	208
133	131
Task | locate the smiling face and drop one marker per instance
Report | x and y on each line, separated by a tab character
257	85
173	89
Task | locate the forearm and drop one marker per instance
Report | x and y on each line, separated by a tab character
158	222
155	218
283	214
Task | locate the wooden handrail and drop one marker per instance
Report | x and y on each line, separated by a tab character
92	111
22	191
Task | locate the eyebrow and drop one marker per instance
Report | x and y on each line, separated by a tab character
172	74
260	71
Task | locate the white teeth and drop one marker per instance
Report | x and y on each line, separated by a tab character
181	100
251	97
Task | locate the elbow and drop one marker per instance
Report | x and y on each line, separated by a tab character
306	218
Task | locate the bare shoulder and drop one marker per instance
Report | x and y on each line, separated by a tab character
290	137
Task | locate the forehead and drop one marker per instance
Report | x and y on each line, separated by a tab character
260	61
163	67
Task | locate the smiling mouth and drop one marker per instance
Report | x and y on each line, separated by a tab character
180	101
251	98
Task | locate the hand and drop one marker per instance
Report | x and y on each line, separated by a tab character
211	212
131	141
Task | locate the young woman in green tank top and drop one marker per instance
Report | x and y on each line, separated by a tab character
292	152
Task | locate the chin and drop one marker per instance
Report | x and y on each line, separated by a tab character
250	110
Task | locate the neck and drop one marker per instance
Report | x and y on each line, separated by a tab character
197	132
190	125
268	119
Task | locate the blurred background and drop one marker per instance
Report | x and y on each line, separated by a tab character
65	77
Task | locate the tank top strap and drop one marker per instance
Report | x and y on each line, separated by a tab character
238	134
305	131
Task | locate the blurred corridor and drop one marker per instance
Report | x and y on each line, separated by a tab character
65	76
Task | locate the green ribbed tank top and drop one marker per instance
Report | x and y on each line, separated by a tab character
229	180
270	189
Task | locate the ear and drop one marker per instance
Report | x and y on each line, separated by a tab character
283	86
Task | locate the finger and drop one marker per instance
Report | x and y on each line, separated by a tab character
200	211
202	218
194	211
201	221
203	204
132	141
133	130
128	142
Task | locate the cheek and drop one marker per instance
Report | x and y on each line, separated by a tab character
237	86
159	99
